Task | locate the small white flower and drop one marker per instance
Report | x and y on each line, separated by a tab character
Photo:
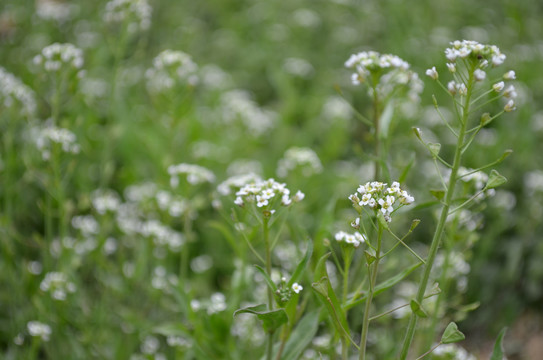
510	106
38	329
366	198
498	59
462	89
261	201
299	196
297	288
510	75
510	92
498	86
479	75
432	73
451	67
451	86
285	200
238	201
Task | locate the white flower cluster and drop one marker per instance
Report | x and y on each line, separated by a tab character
45	138
87	224
55	56
479	180
235	182
335	108
58	285
298	67
458	269
171	67
298	157
136	13
162	236
238	105
161	280
105	200
391	70
55	10
196	174
472	49
39	329
265	193
379	197
452	352
483	56
351	239
13	93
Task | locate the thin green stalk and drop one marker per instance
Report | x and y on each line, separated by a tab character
373	280
442	282
347	264
266	235
376	124
436	240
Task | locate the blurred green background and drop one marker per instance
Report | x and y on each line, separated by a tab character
289	56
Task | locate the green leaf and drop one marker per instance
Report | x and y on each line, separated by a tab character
406	169
302	336
329	298
171	329
387	284
438	194
414	224
268	279
320	269
386	119
452	334
485	119
370	258
495	180
434	149
498	353
418	309
271	320
302	265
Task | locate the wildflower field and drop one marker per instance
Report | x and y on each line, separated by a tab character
259	179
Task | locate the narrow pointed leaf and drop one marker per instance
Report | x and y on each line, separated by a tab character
385	285
498	353
320	269
302	265
301	336
268	279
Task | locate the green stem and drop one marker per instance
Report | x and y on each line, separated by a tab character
266	235
373	280
436	240
376	123
347	265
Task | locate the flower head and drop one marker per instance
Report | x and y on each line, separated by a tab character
171	68
392	72
135	13
266	194
350	239
380	197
